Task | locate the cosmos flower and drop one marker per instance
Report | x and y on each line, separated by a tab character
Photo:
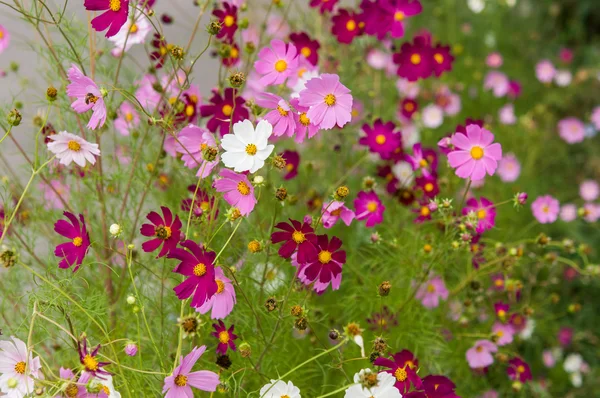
224	109
408	107
404	369
329	100
298	237
414	60
422	159
276	63
368	206
563	78
191	142
346	25
88	96
18	368
70	148
372	385
435	386
484	211
237	191
504	333
589	190
571	129
128	118
431	292
203	204
281	116
442	59
52	191
225	336
497	82
72	252
114	17
494	60
333	211
304	126
324	266
595	117
178	384
381	138
292	160
228	18
509	168
432	116
164	231
428	185
480	355
568	212
247	149
382	321
323	5
279	388
89	361
545	209
545	71
518	370
307	47
222	302
134	31
506	114
476	155
4	38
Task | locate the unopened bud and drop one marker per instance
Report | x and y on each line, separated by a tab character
341	192
14	117
236	80
254	246
214	27
51	94
384	288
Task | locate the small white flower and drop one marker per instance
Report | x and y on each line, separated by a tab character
476	5
563	78
18	368
130	300
404	172
528	331
132	32
70	148
573	363
115	230
384	387
576	379
247	149
279	388
432	116
106	383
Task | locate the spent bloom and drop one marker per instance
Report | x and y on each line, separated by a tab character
237	191
475	155
73	251
247	148
329	101
180	383
431	292
279	388
481	354
545	209
114	17
225	336
18	368
276	63
222	302
164	231
572	130
70	148
368	206
88	96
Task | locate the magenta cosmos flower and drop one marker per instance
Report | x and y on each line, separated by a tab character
368	206
442	59
403	367
222	109
281	115
225	336
191	142
381	138
414	60
297	237
180	383
72	252
222	302
475	154
333	211
237	191
323	5
408	107
88	359
422	159
164	231
329	101
545	209
518	370
197	264
572	130
228	18
392	15
346	25
114	17
435	386
484	211
276	63
480	355
431	292
324	267
4	38
88	97
306	47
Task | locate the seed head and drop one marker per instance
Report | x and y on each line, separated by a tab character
341	192
384	288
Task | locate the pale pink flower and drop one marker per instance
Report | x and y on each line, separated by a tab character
497	82
545	209
589	190
4	38
191	142
180	383
330	102
333	211
51	198
545	71
431	292
70	148
509	168
504	332
571	129
128	118
480	355
494	60
506	114
475	155
88	97
568	212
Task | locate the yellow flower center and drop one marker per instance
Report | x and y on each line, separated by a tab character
243	188
72	390
20	367
324	256
285	396
499	283
251	149
229	21
351	25
204	206
190	110
479	348
521	369
439	58
129	116
409	107
77	241
500	333
1	34
181	380
280	66
162	232
74	146
220	286
430	288
423	163
501	313
477	152
289	167
106	390
330	99
304	120
227	109
415	59
234	53
372	206
425	211
380	139
224	337
410	364
282	111
134	28
298	237
90	363
546	209
481	214
115	5
428	187
398	16
400	374
306	52
199	269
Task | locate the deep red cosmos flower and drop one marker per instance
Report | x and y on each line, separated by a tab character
428	185
346	26
292	160
381	138
161	51
228	18
297	236
197	264
114	17
435	386
222	109
233	55
324	267
408	107
88	359
442	59
519	370
165	231
324	5
414	60
423	211
403	367
74	251
307	47
225	336
383	16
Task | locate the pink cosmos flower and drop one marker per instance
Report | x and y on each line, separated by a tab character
480	355
131	349
591	212
595	118
494	60
548	358
589	190
497	82
225	336
381	138
304	126
329	100
238	191
51	194
485	212
545	71
431	292
565	336
509	168
276	63
4	38
179	384
568	212
519	370
164	231
281	116
506	114
75	387
114	17
368	206
379	59
146	94
571	129
545	209
88	96
324	266
74	251
333	211
475	154
191	142
222	302
128	118
504	332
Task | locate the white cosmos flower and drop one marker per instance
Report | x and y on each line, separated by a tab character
17	367
278	388
70	148
563	78
246	149
432	116
528	331
383	388
404	172
573	363
104	384
132	32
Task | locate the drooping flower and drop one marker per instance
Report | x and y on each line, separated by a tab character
475	155
545	71
178	385
372	385
545	209
292	160
114	17
89	360
247	149
368	206
346	25
572	130
519	370
74	251
484	211
128	118
431	292
88	95
224	109
279	388
197	265
324	267
18	368
276	63
164	231
228	18
222	302
281	117
589	190
297	237
414	60
307	47
509	168
70	148
381	138
404	369
191	142
225	336
237	191
4	38
480	355
134	31
329	100
333	211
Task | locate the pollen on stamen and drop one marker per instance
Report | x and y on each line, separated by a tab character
74	146
243	188
298	237
330	99
280	66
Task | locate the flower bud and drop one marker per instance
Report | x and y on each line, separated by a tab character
130	300
271	304
301	323
279	162
131	349
296	310
334	334
214	27
236	80
14	117
51	94
281	194
115	230
209	153
384	288
177	52
341	192
8	257
254	246
245	349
